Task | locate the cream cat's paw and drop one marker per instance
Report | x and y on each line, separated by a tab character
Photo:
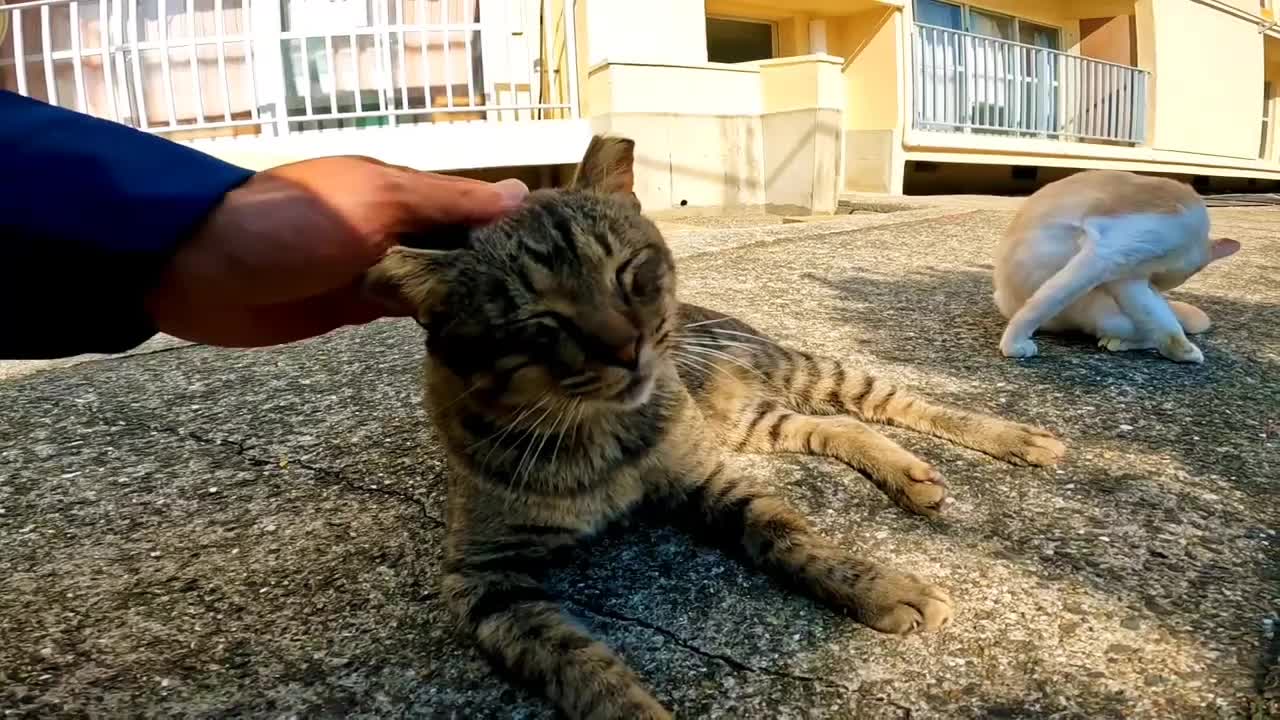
1115	344
1179	349
899	603
1018	348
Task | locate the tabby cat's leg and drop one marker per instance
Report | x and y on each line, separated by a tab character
776	538
909	481
519	627
881	401
823	386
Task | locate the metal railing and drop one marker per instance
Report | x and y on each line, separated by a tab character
210	68
963	82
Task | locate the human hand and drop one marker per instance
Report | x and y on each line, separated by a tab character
281	258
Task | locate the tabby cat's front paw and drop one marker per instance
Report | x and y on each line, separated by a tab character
899	603
920	489
1028	445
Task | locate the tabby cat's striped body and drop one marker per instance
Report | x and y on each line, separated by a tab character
569	385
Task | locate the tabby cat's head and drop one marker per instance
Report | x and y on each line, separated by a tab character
571	296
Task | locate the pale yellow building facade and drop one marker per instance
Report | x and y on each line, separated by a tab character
778	103
831	96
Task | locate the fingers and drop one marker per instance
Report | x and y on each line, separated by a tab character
431	200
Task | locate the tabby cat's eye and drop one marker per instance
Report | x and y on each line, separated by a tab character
642	284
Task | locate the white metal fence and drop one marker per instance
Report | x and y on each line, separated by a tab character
209	68
965	82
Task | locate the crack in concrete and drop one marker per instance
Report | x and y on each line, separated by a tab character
243	450
728	660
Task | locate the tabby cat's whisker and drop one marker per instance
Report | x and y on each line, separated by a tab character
532	434
555	451
716	353
502	433
763	340
582	410
713	342
705	335
708	322
462	395
700	363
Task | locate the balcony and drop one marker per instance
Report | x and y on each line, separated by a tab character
216	70
966	83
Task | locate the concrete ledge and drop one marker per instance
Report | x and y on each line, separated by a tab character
435	147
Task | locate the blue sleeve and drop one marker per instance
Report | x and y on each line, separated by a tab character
90	212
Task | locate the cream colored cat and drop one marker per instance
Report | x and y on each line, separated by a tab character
1094	252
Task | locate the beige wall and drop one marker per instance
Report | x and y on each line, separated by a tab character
652	31
871	42
802	100
1206	102
700	146
707	135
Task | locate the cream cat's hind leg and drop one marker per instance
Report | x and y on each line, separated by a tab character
1193	320
1083	273
1158	325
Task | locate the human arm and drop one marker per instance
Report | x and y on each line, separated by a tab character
90	213
108	235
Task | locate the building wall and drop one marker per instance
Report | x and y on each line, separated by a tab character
652	31
697	129
1206	102
871	42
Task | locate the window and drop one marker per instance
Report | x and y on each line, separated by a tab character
982	85
991	25
941	14
1264	148
986	23
735	41
1030	33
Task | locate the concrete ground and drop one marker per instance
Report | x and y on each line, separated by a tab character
191	532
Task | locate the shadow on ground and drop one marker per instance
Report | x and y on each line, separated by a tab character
203	533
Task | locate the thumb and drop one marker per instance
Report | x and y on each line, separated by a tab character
431	200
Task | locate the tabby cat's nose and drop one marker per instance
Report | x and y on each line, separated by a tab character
628	353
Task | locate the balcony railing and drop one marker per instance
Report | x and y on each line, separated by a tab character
970	83
201	68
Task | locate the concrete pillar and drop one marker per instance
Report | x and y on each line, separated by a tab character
818	37
803	126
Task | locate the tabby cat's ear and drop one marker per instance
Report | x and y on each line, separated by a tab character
410	281
608	166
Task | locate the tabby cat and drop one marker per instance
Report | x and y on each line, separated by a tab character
568	385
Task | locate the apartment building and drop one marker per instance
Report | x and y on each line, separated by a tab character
783	103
